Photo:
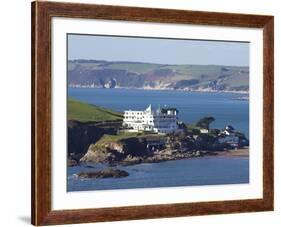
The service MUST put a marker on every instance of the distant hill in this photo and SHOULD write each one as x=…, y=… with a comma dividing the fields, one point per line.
x=84, y=112
x=114, y=74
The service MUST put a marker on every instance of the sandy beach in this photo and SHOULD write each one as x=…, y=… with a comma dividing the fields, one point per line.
x=243, y=152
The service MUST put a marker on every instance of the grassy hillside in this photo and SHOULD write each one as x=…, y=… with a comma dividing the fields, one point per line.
x=139, y=68
x=84, y=112
x=111, y=74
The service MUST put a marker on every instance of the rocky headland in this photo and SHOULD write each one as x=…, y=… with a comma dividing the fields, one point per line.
x=107, y=143
x=124, y=148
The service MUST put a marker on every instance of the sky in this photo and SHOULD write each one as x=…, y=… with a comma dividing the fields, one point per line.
x=155, y=50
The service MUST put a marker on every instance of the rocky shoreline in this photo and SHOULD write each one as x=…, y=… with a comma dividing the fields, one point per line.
x=112, y=172
x=104, y=143
x=161, y=156
x=169, y=156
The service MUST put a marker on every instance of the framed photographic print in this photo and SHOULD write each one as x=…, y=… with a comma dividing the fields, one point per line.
x=144, y=113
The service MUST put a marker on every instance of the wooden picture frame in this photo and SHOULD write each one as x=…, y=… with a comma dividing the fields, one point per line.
x=42, y=13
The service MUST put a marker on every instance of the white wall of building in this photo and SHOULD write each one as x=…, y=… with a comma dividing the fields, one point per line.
x=149, y=120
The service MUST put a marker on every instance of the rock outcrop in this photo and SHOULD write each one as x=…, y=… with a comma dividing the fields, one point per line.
x=135, y=150
x=115, y=151
x=71, y=162
x=106, y=173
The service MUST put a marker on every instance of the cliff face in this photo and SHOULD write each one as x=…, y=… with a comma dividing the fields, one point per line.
x=116, y=151
x=81, y=135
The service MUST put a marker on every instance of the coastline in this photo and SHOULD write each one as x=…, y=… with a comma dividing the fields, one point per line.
x=164, y=157
x=242, y=152
x=167, y=89
x=167, y=156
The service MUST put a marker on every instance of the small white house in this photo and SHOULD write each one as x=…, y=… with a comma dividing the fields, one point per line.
x=163, y=120
x=228, y=130
x=204, y=130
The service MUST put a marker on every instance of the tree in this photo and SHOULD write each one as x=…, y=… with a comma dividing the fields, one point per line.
x=205, y=122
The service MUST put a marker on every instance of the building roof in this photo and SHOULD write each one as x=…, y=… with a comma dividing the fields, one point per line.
x=166, y=109
x=149, y=108
x=229, y=128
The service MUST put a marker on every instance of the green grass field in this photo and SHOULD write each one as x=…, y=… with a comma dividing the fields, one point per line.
x=125, y=135
x=119, y=136
x=135, y=68
x=85, y=112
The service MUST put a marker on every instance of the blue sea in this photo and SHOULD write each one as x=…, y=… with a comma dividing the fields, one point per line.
x=224, y=107
x=185, y=172
x=192, y=106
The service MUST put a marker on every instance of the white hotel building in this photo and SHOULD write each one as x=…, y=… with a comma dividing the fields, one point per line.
x=163, y=120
